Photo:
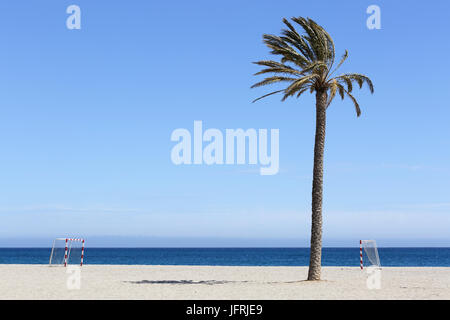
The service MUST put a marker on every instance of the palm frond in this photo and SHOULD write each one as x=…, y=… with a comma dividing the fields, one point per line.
x=347, y=81
x=326, y=40
x=333, y=90
x=298, y=85
x=294, y=38
x=280, y=47
x=344, y=57
x=282, y=70
x=358, y=78
x=271, y=80
x=311, y=37
x=300, y=92
x=266, y=95
x=269, y=63
x=343, y=92
x=358, y=110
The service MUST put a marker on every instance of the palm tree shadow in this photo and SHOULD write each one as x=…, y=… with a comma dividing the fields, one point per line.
x=298, y=281
x=207, y=282
x=213, y=282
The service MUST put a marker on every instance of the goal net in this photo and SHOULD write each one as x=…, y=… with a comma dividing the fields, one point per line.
x=67, y=251
x=368, y=253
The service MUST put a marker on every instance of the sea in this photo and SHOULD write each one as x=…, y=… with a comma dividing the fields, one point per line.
x=392, y=257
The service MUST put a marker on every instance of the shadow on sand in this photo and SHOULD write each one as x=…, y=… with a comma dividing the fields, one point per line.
x=207, y=282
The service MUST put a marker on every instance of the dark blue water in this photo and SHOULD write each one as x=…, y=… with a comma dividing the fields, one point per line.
x=411, y=257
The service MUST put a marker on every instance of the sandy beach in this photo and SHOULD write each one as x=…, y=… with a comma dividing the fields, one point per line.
x=218, y=282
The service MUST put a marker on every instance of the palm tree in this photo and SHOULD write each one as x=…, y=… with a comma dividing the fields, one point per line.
x=306, y=64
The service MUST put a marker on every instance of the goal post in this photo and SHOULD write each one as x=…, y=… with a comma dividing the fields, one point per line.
x=368, y=254
x=67, y=251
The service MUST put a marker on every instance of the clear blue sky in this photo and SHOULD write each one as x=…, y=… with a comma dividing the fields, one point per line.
x=86, y=117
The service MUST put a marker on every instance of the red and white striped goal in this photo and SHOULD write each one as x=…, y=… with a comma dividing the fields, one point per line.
x=67, y=251
x=368, y=254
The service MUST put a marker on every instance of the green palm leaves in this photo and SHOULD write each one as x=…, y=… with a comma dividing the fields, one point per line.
x=306, y=64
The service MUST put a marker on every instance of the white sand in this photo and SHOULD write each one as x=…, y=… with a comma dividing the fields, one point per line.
x=205, y=282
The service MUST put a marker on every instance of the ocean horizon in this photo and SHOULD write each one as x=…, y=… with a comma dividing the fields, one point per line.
x=389, y=256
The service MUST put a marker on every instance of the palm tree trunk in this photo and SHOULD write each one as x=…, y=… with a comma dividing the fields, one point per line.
x=315, y=259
